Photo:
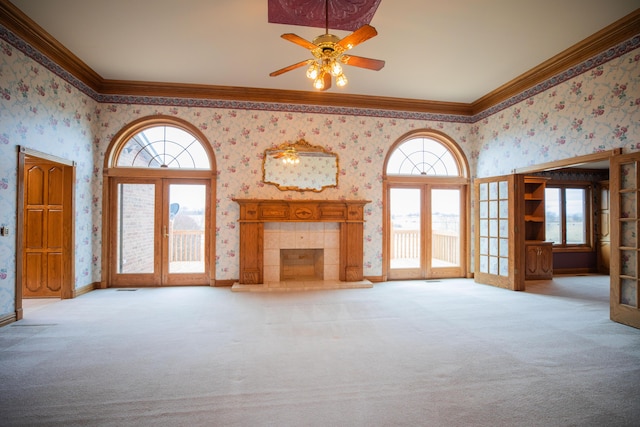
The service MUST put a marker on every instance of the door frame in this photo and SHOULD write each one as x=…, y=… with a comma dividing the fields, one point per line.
x=429, y=183
x=113, y=176
x=68, y=289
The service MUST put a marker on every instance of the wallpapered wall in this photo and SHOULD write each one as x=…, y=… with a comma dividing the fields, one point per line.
x=41, y=111
x=596, y=110
x=239, y=138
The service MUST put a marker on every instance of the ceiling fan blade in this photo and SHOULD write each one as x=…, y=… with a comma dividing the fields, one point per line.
x=293, y=38
x=290, y=67
x=358, y=36
x=359, y=61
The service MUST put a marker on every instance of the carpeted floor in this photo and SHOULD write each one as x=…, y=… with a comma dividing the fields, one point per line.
x=419, y=353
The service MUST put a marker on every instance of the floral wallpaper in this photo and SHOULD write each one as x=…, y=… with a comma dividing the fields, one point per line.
x=45, y=109
x=239, y=138
x=43, y=112
x=597, y=110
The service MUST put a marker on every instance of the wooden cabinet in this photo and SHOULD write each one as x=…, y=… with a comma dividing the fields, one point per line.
x=538, y=252
x=538, y=260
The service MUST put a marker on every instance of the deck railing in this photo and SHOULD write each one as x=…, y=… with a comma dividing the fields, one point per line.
x=186, y=245
x=405, y=244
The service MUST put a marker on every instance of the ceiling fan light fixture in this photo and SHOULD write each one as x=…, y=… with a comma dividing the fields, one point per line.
x=341, y=80
x=318, y=83
x=336, y=68
x=313, y=71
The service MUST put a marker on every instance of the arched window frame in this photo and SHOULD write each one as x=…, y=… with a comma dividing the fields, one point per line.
x=398, y=181
x=120, y=140
x=444, y=140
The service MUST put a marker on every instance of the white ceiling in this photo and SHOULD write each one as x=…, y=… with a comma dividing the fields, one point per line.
x=451, y=51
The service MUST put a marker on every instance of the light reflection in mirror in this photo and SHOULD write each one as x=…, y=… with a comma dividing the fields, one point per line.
x=315, y=170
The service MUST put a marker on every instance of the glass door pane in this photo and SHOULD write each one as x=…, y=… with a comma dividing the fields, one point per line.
x=406, y=234
x=553, y=216
x=186, y=229
x=135, y=224
x=445, y=228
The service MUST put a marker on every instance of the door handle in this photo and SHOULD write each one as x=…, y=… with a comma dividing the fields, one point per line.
x=164, y=231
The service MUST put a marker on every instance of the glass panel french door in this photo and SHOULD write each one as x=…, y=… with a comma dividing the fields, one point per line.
x=425, y=231
x=406, y=239
x=624, y=179
x=499, y=251
x=159, y=232
x=185, y=238
x=445, y=227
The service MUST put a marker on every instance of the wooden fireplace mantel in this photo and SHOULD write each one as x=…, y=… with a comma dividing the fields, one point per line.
x=270, y=210
x=255, y=212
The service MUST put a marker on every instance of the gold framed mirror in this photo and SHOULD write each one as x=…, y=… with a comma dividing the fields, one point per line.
x=300, y=167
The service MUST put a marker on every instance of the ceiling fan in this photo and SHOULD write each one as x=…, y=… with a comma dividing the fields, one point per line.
x=329, y=52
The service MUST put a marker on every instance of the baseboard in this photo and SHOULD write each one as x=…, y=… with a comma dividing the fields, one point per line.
x=222, y=283
x=9, y=318
x=85, y=289
x=573, y=271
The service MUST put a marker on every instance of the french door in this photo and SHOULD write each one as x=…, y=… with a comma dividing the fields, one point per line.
x=426, y=231
x=499, y=250
x=624, y=179
x=159, y=232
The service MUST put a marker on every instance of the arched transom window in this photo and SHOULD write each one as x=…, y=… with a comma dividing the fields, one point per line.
x=425, y=156
x=163, y=146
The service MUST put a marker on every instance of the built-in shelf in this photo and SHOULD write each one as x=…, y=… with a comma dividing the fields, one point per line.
x=538, y=252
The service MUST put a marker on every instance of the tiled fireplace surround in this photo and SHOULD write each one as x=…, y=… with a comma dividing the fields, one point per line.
x=301, y=235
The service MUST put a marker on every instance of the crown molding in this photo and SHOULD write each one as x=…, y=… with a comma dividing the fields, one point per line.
x=29, y=31
x=278, y=96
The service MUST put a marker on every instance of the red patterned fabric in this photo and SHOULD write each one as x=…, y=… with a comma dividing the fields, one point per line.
x=346, y=15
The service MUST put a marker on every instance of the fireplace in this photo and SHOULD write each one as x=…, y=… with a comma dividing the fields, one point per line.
x=301, y=264
x=267, y=226
x=301, y=242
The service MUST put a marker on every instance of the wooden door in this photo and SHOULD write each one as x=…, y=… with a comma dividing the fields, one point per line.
x=499, y=249
x=624, y=180
x=159, y=232
x=43, y=231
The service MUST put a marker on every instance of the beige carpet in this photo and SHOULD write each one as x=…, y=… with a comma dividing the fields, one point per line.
x=421, y=353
